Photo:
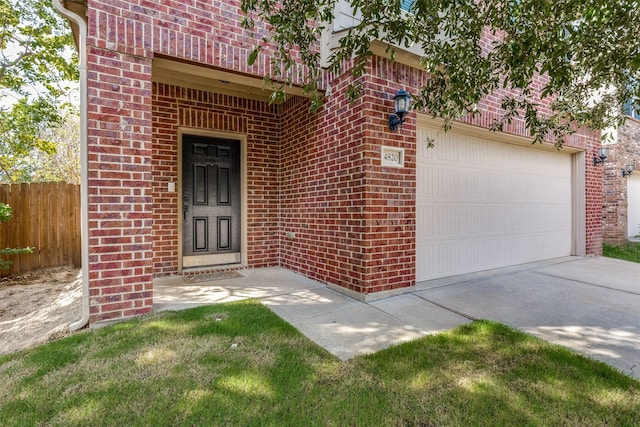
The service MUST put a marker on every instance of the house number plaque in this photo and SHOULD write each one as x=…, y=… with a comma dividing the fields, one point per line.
x=393, y=157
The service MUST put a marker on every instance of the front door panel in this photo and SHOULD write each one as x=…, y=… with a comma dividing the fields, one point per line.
x=210, y=201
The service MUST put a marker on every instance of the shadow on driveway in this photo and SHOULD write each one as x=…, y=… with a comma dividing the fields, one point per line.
x=591, y=305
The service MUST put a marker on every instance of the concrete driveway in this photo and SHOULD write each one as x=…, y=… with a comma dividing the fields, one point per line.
x=591, y=305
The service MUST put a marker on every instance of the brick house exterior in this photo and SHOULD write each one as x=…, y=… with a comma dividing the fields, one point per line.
x=621, y=219
x=317, y=199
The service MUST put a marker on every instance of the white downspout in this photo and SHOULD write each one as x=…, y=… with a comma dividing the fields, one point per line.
x=84, y=181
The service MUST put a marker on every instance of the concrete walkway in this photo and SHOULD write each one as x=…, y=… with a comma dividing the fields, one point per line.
x=591, y=305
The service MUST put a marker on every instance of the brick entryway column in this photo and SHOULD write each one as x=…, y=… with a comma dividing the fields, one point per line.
x=120, y=201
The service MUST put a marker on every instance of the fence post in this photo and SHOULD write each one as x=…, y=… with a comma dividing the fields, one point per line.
x=23, y=217
x=4, y=228
x=15, y=226
x=35, y=216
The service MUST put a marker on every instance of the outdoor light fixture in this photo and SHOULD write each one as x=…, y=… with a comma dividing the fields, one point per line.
x=628, y=170
x=603, y=152
x=402, y=101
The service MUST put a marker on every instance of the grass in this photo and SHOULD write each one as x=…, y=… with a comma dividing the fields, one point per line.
x=240, y=364
x=629, y=251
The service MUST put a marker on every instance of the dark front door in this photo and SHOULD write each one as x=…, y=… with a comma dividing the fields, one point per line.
x=211, y=208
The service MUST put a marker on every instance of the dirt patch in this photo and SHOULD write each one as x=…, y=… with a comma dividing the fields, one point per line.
x=38, y=306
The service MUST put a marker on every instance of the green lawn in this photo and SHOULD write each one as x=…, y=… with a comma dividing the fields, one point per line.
x=239, y=364
x=630, y=251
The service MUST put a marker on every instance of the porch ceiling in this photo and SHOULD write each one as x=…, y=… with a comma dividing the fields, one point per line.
x=195, y=76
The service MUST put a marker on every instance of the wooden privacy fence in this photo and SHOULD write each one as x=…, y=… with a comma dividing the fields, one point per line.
x=46, y=217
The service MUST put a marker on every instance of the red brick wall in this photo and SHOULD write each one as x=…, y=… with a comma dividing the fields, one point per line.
x=390, y=192
x=322, y=191
x=625, y=151
x=175, y=107
x=120, y=203
x=353, y=220
x=593, y=199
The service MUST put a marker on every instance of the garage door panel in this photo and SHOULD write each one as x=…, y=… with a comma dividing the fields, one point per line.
x=482, y=204
x=472, y=221
x=451, y=258
x=440, y=183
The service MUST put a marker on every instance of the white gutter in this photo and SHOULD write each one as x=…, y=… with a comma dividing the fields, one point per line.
x=84, y=181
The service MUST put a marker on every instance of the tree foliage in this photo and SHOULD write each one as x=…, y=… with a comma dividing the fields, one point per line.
x=21, y=126
x=64, y=163
x=36, y=62
x=5, y=215
x=586, y=50
x=34, y=43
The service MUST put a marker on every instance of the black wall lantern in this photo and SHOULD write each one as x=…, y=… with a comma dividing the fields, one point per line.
x=603, y=152
x=402, y=102
x=628, y=170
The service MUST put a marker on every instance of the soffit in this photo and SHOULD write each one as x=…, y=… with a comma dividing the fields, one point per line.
x=79, y=7
x=195, y=76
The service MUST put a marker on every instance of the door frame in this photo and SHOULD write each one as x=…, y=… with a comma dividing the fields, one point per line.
x=242, y=140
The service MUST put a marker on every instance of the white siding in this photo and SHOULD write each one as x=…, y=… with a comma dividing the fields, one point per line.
x=633, y=210
x=484, y=204
x=344, y=18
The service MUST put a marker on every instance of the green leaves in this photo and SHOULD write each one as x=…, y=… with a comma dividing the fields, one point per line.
x=253, y=56
x=22, y=127
x=35, y=46
x=36, y=64
x=581, y=57
x=297, y=31
x=5, y=212
x=5, y=215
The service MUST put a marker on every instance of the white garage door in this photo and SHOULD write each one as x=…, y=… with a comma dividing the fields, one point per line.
x=483, y=204
x=633, y=199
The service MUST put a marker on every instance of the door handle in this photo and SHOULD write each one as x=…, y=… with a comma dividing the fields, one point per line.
x=184, y=212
